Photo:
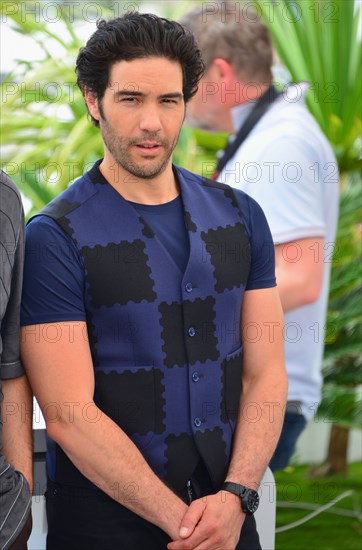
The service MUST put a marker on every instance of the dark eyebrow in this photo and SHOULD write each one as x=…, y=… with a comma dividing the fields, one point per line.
x=121, y=93
x=175, y=95
x=135, y=93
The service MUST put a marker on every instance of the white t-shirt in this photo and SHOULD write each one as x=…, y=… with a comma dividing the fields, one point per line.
x=287, y=165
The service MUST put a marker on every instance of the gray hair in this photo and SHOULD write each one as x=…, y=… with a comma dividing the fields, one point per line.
x=235, y=32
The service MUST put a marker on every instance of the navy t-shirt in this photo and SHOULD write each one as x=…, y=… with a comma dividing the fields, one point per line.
x=54, y=279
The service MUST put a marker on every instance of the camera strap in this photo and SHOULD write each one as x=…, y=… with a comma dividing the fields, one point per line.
x=260, y=108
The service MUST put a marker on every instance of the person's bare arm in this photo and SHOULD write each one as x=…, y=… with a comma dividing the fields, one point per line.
x=299, y=271
x=62, y=373
x=216, y=521
x=17, y=408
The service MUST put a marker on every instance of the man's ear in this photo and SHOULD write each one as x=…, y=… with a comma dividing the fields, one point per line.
x=236, y=89
x=224, y=70
x=92, y=103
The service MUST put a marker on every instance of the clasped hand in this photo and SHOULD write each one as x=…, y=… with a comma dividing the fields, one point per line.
x=211, y=523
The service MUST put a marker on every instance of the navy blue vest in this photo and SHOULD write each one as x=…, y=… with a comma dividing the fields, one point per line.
x=165, y=345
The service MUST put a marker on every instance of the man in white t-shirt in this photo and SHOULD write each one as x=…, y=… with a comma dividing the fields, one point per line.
x=284, y=162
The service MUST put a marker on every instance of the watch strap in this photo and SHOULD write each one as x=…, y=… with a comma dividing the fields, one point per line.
x=241, y=491
x=234, y=488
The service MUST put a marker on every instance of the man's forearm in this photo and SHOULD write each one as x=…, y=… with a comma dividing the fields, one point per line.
x=258, y=429
x=17, y=417
x=294, y=291
x=299, y=271
x=108, y=458
x=217, y=519
x=62, y=373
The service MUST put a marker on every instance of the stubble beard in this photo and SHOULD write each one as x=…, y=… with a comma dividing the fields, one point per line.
x=119, y=148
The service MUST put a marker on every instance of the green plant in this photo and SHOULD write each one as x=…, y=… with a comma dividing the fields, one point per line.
x=47, y=139
x=343, y=355
x=318, y=41
x=336, y=528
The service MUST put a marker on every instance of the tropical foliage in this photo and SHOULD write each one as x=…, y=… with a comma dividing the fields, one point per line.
x=318, y=41
x=47, y=139
x=342, y=402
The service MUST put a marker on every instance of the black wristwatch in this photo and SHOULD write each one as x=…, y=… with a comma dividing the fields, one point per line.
x=248, y=497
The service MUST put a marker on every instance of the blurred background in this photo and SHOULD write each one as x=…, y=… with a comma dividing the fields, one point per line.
x=47, y=141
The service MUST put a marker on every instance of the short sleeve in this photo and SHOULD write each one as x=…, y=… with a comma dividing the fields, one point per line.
x=262, y=269
x=286, y=186
x=53, y=285
x=11, y=277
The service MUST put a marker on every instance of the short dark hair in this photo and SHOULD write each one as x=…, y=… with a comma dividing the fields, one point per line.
x=136, y=36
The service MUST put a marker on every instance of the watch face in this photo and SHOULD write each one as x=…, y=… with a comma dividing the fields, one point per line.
x=252, y=501
x=249, y=497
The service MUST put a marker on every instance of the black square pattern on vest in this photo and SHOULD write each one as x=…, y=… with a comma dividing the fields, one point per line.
x=147, y=231
x=118, y=273
x=92, y=338
x=231, y=387
x=64, y=223
x=196, y=320
x=213, y=450
x=229, y=250
x=179, y=471
x=171, y=324
x=59, y=209
x=229, y=193
x=134, y=400
x=189, y=223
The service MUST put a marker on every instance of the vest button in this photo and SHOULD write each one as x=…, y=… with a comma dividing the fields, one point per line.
x=189, y=287
x=197, y=422
x=195, y=376
x=191, y=331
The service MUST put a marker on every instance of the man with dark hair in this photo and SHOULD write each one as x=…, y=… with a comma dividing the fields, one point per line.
x=151, y=278
x=15, y=395
x=281, y=158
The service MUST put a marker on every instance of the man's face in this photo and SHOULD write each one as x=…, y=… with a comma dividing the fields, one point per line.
x=202, y=109
x=218, y=92
x=141, y=114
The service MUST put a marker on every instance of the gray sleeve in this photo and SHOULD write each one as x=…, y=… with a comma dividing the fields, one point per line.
x=11, y=277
